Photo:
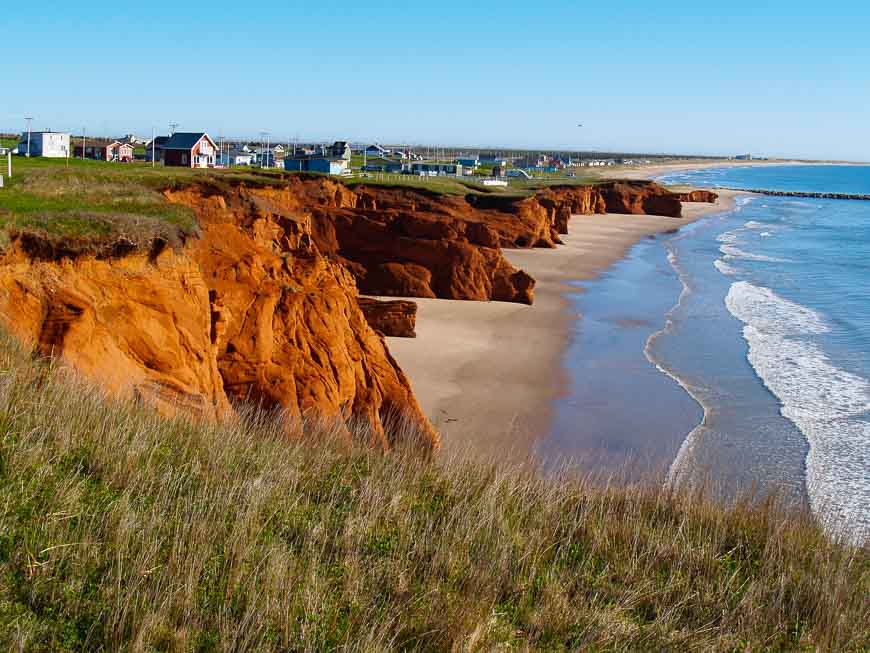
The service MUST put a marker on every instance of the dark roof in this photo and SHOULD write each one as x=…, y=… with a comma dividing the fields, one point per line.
x=183, y=140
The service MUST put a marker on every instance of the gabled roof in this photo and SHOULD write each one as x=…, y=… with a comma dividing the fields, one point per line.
x=184, y=140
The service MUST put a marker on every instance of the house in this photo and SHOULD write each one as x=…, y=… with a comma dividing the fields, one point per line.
x=435, y=169
x=103, y=150
x=377, y=151
x=154, y=149
x=340, y=150
x=133, y=140
x=238, y=157
x=269, y=157
x=48, y=144
x=317, y=163
x=471, y=162
x=189, y=150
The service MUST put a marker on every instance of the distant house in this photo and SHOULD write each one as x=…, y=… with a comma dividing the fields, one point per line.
x=377, y=150
x=189, y=150
x=434, y=169
x=329, y=165
x=468, y=162
x=238, y=157
x=271, y=157
x=48, y=144
x=103, y=150
x=154, y=149
x=133, y=140
x=340, y=150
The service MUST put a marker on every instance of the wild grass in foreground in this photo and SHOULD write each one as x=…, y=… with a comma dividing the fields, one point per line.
x=123, y=531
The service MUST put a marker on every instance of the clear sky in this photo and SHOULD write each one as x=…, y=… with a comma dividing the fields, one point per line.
x=776, y=78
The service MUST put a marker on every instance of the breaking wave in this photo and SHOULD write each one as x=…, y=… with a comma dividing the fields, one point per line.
x=829, y=405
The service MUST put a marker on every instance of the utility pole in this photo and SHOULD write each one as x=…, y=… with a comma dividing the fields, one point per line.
x=264, y=135
x=153, y=138
x=84, y=141
x=9, y=162
x=172, y=127
x=29, y=119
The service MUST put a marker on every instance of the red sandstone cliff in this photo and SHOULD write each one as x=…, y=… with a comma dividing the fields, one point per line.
x=263, y=307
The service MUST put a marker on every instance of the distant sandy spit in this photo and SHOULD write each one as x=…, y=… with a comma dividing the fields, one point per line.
x=487, y=373
x=657, y=170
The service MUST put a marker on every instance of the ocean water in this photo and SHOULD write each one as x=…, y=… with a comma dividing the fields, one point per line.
x=767, y=334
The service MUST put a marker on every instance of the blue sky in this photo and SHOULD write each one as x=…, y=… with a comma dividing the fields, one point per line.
x=776, y=78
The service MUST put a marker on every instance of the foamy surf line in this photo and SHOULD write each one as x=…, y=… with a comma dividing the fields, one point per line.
x=828, y=405
x=678, y=465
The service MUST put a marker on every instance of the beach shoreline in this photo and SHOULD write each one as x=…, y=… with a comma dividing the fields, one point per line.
x=487, y=373
x=658, y=170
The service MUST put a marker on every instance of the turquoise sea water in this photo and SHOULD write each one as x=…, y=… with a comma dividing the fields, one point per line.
x=767, y=334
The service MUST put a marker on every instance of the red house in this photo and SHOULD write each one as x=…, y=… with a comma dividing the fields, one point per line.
x=189, y=150
x=104, y=151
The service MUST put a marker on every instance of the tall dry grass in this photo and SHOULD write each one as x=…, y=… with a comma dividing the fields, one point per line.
x=123, y=531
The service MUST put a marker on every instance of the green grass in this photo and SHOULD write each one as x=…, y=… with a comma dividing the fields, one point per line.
x=122, y=531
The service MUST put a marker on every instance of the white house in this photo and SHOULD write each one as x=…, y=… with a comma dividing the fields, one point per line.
x=48, y=144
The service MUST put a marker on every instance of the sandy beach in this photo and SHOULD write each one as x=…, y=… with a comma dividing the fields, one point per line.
x=486, y=372
x=656, y=170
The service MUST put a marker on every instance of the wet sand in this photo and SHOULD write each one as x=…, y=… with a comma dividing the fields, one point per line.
x=486, y=372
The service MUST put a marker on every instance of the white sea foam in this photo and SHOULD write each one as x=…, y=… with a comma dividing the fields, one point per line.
x=725, y=268
x=727, y=237
x=755, y=224
x=731, y=251
x=765, y=234
x=768, y=312
x=826, y=403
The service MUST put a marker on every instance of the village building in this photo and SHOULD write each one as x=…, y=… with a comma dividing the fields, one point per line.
x=46, y=143
x=429, y=169
x=189, y=150
x=103, y=150
x=377, y=151
x=470, y=162
x=332, y=160
x=340, y=150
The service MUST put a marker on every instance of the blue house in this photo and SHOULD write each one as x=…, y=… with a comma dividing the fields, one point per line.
x=469, y=162
x=322, y=164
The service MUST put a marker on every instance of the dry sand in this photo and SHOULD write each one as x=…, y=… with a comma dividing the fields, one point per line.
x=486, y=373
x=656, y=170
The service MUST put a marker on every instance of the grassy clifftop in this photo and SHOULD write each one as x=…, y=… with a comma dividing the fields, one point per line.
x=123, y=531
x=92, y=202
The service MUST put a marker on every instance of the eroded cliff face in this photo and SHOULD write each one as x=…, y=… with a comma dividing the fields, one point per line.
x=139, y=325
x=263, y=307
x=411, y=243
x=250, y=313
